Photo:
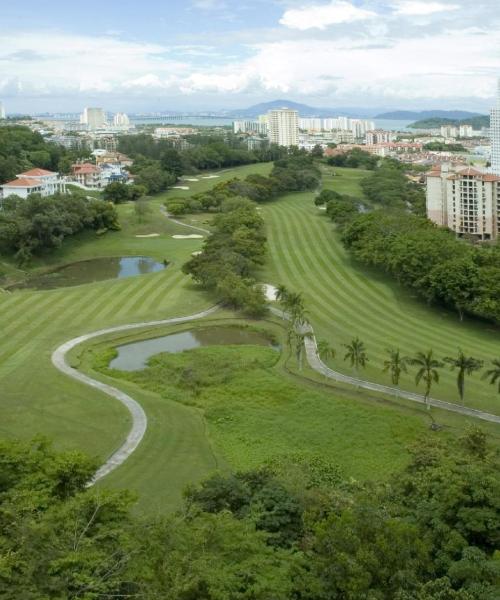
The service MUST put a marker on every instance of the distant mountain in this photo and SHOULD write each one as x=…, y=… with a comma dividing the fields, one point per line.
x=409, y=115
x=303, y=109
x=435, y=123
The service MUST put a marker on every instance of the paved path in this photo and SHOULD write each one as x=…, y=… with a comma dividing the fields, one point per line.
x=139, y=418
x=165, y=213
x=319, y=366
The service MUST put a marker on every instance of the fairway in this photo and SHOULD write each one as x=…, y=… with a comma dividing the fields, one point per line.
x=345, y=300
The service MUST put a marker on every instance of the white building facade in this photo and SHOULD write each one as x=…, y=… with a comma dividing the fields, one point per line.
x=2, y=111
x=495, y=135
x=284, y=127
x=93, y=118
x=466, y=201
x=34, y=181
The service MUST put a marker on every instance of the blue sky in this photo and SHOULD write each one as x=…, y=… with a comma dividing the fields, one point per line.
x=214, y=54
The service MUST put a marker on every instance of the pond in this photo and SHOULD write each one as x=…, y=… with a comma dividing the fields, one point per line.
x=89, y=271
x=134, y=356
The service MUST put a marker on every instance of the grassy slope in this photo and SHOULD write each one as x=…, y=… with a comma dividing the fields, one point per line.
x=346, y=300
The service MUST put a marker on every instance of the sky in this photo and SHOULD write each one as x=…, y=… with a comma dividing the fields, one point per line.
x=187, y=55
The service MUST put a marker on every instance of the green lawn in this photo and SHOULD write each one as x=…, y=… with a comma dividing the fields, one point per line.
x=345, y=300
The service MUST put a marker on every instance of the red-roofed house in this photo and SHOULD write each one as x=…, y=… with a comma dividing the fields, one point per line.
x=86, y=174
x=34, y=181
x=466, y=201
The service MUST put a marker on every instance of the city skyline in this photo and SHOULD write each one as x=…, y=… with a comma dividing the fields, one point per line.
x=219, y=54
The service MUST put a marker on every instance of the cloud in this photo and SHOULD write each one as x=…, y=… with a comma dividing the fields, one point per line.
x=422, y=8
x=210, y=4
x=321, y=16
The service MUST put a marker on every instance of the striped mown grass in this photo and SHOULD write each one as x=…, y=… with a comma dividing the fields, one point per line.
x=345, y=300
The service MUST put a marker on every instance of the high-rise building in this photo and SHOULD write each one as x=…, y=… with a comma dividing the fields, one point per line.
x=121, y=120
x=249, y=127
x=94, y=118
x=495, y=135
x=2, y=111
x=284, y=127
x=467, y=201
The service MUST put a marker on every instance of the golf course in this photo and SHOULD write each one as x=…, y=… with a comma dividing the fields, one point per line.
x=263, y=408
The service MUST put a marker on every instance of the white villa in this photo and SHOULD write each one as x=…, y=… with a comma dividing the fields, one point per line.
x=34, y=181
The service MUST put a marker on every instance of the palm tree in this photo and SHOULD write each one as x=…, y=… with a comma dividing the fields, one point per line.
x=466, y=365
x=395, y=365
x=325, y=351
x=299, y=337
x=494, y=374
x=428, y=371
x=282, y=293
x=356, y=354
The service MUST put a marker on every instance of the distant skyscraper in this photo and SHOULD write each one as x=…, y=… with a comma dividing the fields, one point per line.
x=121, y=120
x=495, y=135
x=2, y=111
x=94, y=118
x=284, y=127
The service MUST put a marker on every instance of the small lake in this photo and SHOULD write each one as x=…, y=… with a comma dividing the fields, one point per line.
x=134, y=356
x=89, y=271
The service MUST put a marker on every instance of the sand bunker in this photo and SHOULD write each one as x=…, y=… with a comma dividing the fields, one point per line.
x=321, y=207
x=193, y=236
x=196, y=253
x=180, y=187
x=210, y=176
x=148, y=235
x=190, y=179
x=270, y=291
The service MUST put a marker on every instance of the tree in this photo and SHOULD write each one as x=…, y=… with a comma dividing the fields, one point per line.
x=494, y=374
x=356, y=354
x=298, y=339
x=325, y=351
x=142, y=209
x=428, y=371
x=116, y=192
x=465, y=365
x=395, y=365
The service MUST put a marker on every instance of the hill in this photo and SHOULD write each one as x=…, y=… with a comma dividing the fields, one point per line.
x=427, y=114
x=304, y=110
x=477, y=122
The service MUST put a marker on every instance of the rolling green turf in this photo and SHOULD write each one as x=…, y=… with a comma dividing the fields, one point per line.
x=345, y=300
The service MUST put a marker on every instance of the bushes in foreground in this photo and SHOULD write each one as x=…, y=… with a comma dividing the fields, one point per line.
x=285, y=531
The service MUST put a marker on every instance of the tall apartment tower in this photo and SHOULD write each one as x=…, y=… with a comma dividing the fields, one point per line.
x=284, y=127
x=94, y=118
x=2, y=111
x=495, y=135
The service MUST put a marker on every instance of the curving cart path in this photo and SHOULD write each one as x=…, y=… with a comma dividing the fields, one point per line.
x=139, y=418
x=319, y=366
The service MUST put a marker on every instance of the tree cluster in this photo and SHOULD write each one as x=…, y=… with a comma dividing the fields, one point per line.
x=354, y=159
x=236, y=246
x=293, y=529
x=429, y=260
x=37, y=224
x=294, y=173
x=22, y=149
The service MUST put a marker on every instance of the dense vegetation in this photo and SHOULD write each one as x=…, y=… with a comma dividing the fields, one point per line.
x=354, y=159
x=295, y=173
x=38, y=224
x=444, y=147
x=21, y=150
x=292, y=529
x=236, y=246
x=157, y=163
x=436, y=122
x=429, y=260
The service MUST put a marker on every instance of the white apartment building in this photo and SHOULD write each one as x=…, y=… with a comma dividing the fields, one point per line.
x=244, y=126
x=2, y=111
x=495, y=135
x=284, y=127
x=310, y=124
x=121, y=120
x=34, y=181
x=93, y=118
x=465, y=131
x=467, y=201
x=379, y=136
